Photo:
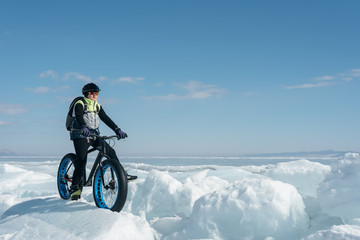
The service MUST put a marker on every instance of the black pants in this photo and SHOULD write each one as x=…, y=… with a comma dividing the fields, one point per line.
x=81, y=146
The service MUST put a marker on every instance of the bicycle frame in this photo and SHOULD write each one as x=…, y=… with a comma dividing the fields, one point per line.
x=101, y=154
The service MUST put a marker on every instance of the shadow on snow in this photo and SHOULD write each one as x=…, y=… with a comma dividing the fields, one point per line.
x=45, y=205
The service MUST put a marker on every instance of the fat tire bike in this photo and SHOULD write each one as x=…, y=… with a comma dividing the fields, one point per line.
x=107, y=177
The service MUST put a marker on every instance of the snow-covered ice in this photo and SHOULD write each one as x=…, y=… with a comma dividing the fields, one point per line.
x=273, y=199
x=339, y=193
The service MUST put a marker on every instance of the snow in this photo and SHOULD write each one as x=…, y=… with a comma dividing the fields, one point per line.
x=303, y=174
x=264, y=199
x=339, y=193
x=252, y=209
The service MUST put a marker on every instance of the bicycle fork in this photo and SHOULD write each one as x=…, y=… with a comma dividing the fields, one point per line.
x=111, y=183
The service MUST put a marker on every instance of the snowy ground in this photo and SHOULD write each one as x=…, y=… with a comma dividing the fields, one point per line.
x=190, y=198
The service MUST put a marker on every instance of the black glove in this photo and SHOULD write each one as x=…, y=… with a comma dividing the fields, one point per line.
x=120, y=133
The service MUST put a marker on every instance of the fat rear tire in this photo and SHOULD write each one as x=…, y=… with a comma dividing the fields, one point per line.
x=66, y=168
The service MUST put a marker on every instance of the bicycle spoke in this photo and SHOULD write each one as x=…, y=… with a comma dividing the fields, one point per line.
x=110, y=192
x=106, y=187
x=65, y=172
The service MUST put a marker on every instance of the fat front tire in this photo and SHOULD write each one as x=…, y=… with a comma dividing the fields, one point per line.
x=110, y=185
x=65, y=175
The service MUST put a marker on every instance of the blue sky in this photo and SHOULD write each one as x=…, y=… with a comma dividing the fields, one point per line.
x=184, y=77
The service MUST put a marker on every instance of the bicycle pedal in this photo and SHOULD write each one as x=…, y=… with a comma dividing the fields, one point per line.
x=131, y=177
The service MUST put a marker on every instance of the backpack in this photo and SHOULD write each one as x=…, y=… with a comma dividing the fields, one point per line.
x=69, y=117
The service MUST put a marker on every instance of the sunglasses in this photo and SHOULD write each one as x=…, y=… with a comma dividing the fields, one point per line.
x=94, y=93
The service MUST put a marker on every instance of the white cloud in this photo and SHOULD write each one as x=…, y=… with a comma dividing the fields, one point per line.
x=11, y=109
x=325, y=78
x=195, y=86
x=71, y=75
x=49, y=73
x=38, y=90
x=349, y=76
x=77, y=76
x=130, y=79
x=101, y=79
x=311, y=85
x=195, y=90
x=328, y=80
x=355, y=72
x=2, y=123
x=198, y=90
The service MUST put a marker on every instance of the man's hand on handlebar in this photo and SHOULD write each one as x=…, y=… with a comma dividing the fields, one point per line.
x=120, y=134
x=85, y=131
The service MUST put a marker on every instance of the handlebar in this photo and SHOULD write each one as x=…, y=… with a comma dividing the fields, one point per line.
x=94, y=136
x=101, y=147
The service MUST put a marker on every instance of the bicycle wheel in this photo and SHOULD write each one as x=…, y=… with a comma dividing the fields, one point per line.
x=110, y=186
x=65, y=175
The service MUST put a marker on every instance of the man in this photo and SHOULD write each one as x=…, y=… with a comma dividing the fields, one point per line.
x=88, y=113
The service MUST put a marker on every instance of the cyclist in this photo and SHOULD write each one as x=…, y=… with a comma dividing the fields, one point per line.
x=88, y=113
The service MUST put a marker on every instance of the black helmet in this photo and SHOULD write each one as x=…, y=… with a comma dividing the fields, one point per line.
x=90, y=87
